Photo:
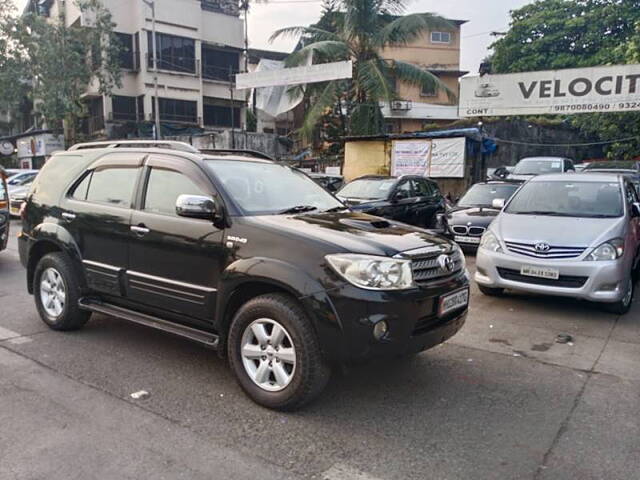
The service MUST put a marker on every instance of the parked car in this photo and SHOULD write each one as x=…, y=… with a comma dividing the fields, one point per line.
x=331, y=183
x=4, y=211
x=410, y=199
x=17, y=196
x=23, y=177
x=529, y=167
x=575, y=236
x=469, y=218
x=631, y=168
x=244, y=255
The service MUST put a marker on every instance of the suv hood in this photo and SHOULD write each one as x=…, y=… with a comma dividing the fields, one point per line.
x=351, y=232
x=560, y=231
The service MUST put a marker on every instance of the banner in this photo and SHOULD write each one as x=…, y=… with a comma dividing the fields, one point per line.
x=410, y=157
x=575, y=90
x=321, y=72
x=447, y=158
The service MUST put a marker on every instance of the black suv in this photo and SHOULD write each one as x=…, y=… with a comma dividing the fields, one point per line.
x=410, y=199
x=244, y=255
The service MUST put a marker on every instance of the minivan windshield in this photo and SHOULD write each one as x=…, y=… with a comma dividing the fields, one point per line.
x=367, y=188
x=269, y=188
x=483, y=195
x=568, y=199
x=538, y=166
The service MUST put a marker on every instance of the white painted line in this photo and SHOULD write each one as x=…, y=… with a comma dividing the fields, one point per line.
x=20, y=340
x=345, y=472
x=6, y=334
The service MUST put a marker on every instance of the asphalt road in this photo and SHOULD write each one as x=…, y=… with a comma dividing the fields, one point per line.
x=501, y=400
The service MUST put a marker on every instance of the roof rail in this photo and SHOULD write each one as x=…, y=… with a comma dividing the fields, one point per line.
x=232, y=151
x=168, y=144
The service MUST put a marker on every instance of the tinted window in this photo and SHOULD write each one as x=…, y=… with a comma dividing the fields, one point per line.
x=568, y=199
x=632, y=196
x=483, y=195
x=368, y=188
x=423, y=188
x=538, y=166
x=80, y=192
x=113, y=186
x=164, y=188
x=404, y=190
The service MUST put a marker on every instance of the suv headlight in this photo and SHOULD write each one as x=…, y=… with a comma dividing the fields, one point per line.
x=372, y=272
x=611, y=250
x=490, y=242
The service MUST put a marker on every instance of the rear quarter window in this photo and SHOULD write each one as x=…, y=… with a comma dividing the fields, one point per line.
x=55, y=176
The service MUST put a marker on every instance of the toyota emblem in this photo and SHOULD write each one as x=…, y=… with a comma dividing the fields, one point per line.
x=445, y=262
x=542, y=247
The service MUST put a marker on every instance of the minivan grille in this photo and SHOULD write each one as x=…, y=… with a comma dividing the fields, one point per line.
x=429, y=268
x=554, y=251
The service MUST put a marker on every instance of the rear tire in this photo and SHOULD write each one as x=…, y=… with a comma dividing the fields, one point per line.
x=623, y=305
x=492, y=292
x=56, y=290
x=286, y=378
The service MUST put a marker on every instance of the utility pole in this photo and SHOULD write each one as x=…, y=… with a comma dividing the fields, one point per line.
x=152, y=4
x=233, y=123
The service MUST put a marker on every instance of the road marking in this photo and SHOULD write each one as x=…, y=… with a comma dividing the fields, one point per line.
x=19, y=340
x=344, y=472
x=6, y=334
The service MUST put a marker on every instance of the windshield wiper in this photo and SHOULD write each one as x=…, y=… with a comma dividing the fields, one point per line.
x=298, y=209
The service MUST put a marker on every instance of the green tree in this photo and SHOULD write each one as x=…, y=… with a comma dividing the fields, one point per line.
x=555, y=34
x=59, y=62
x=359, y=30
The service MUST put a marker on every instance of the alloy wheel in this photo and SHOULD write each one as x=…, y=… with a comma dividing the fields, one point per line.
x=53, y=292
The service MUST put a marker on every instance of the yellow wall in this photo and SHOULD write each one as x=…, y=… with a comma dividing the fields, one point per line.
x=366, y=158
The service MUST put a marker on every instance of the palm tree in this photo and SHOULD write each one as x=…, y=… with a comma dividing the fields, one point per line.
x=359, y=31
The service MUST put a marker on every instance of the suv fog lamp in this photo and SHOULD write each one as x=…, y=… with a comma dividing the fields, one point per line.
x=373, y=272
x=380, y=329
x=611, y=250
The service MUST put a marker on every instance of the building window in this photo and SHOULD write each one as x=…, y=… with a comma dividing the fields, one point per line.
x=429, y=91
x=177, y=54
x=125, y=42
x=211, y=5
x=124, y=108
x=219, y=64
x=220, y=115
x=440, y=37
x=173, y=110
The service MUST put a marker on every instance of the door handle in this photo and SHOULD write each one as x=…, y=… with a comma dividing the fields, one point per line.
x=68, y=216
x=139, y=230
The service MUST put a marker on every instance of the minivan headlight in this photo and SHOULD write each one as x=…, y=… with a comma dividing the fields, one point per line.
x=611, y=250
x=490, y=242
x=372, y=272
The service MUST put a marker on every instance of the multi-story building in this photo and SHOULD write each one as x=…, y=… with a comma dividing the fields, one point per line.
x=200, y=46
x=439, y=52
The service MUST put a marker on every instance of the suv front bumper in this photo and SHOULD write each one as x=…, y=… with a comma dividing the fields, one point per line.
x=594, y=281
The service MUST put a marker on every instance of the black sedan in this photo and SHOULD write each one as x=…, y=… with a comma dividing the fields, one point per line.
x=410, y=199
x=469, y=218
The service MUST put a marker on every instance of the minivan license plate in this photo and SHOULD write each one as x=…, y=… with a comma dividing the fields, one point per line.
x=453, y=301
x=540, y=272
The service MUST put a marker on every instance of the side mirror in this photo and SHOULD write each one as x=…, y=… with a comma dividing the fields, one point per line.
x=635, y=209
x=196, y=206
x=498, y=203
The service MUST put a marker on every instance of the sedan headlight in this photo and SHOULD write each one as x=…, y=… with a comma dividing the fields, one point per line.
x=371, y=272
x=490, y=242
x=611, y=250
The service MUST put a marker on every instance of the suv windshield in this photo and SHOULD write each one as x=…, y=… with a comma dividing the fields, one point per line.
x=269, y=188
x=483, y=195
x=368, y=188
x=538, y=166
x=568, y=199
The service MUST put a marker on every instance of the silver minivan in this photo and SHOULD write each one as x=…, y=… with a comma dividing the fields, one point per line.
x=568, y=235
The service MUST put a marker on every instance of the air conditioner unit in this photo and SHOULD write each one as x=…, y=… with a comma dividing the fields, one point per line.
x=401, y=105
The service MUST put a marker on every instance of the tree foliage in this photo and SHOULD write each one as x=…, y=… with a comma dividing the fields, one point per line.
x=555, y=34
x=359, y=30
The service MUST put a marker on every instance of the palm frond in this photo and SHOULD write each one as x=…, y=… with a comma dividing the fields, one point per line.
x=316, y=33
x=325, y=100
x=424, y=79
x=406, y=29
x=327, y=50
x=375, y=78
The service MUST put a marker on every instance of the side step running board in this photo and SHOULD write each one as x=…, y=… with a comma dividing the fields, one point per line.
x=208, y=339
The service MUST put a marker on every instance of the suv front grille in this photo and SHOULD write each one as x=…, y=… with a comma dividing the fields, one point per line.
x=529, y=250
x=566, y=281
x=429, y=268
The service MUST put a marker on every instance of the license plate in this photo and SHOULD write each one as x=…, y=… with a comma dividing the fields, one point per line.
x=463, y=239
x=453, y=301
x=540, y=272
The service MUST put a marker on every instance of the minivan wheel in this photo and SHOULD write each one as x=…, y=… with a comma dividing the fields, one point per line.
x=492, y=292
x=56, y=291
x=623, y=305
x=274, y=353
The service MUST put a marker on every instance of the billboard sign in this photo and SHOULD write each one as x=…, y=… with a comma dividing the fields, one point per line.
x=321, y=72
x=575, y=90
x=447, y=158
x=410, y=157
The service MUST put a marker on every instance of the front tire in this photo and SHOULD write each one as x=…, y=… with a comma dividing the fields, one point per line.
x=623, y=305
x=274, y=353
x=56, y=290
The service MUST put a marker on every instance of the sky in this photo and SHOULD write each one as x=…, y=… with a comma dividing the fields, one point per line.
x=483, y=17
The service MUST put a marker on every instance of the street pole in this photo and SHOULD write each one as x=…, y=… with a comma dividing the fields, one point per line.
x=152, y=5
x=233, y=123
